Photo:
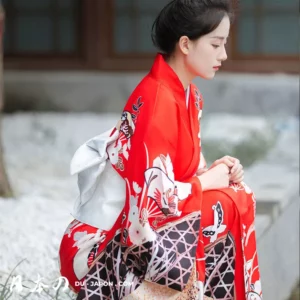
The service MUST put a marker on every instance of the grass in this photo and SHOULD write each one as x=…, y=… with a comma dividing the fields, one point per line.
x=27, y=285
x=296, y=293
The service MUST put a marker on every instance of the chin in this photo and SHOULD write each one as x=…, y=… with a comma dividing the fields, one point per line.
x=208, y=76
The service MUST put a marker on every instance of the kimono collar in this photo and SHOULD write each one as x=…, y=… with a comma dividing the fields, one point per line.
x=165, y=74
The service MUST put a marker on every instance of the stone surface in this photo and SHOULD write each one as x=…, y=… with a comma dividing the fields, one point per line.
x=278, y=251
x=262, y=223
x=276, y=178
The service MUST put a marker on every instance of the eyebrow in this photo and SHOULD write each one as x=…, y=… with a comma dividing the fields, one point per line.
x=220, y=37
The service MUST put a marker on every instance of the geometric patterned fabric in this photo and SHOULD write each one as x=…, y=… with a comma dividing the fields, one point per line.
x=219, y=268
x=168, y=261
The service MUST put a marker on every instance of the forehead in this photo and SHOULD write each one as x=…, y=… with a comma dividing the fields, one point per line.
x=223, y=29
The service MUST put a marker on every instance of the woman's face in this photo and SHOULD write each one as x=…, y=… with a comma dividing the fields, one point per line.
x=207, y=53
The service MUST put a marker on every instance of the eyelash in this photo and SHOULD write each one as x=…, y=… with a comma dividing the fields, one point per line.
x=216, y=46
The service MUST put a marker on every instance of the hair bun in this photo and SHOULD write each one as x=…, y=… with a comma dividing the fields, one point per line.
x=192, y=18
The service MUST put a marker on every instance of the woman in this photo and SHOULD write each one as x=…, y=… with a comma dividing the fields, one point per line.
x=182, y=231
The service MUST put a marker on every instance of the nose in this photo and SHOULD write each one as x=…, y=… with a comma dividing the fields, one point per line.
x=223, y=54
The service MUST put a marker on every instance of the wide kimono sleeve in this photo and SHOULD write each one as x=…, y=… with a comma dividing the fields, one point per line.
x=161, y=220
x=154, y=192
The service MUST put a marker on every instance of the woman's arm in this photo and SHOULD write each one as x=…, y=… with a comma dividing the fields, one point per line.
x=202, y=166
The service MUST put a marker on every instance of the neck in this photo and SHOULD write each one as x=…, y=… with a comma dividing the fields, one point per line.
x=179, y=68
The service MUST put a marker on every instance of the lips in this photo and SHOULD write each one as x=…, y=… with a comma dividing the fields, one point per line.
x=217, y=67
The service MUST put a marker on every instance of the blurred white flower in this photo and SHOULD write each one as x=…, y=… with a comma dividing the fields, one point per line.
x=136, y=187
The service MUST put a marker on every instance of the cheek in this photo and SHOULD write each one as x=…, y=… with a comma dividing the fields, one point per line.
x=200, y=61
x=206, y=53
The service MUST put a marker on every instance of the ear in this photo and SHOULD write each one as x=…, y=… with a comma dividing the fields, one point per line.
x=184, y=44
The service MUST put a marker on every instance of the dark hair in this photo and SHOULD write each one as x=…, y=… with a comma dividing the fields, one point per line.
x=191, y=18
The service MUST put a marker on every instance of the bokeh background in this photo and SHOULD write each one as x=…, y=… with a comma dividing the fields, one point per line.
x=68, y=69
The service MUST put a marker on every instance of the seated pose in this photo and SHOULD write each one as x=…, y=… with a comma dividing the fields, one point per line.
x=152, y=221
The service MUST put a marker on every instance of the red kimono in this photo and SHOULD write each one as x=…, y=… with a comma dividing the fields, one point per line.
x=170, y=240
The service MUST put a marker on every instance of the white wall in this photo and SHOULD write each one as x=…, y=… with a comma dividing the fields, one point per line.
x=107, y=92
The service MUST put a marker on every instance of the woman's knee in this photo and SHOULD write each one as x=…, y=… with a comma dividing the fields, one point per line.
x=218, y=209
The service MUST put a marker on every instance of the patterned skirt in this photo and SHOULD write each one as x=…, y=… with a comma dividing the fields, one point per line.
x=227, y=236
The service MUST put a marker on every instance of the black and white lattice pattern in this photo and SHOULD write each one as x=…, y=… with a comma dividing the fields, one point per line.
x=103, y=280
x=167, y=261
x=175, y=253
x=219, y=269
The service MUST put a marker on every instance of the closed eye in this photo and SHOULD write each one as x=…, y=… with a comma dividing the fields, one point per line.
x=216, y=46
